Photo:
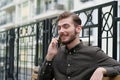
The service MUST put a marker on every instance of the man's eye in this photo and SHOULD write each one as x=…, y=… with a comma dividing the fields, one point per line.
x=66, y=26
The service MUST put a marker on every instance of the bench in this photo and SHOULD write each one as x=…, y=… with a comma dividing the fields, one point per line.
x=34, y=76
x=109, y=78
x=35, y=73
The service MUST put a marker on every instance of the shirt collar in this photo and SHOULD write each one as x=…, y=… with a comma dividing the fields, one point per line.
x=75, y=48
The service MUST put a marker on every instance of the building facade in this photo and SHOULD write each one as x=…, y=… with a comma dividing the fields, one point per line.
x=18, y=12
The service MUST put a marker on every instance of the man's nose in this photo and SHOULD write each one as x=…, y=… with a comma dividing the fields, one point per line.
x=61, y=30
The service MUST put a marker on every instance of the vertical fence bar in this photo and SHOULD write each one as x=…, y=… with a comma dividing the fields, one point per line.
x=115, y=30
x=17, y=70
x=6, y=57
x=44, y=39
x=11, y=53
x=37, y=39
x=99, y=27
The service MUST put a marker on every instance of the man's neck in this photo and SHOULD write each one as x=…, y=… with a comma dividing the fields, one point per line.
x=73, y=43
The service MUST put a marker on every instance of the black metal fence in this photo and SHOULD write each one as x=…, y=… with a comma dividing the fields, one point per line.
x=24, y=48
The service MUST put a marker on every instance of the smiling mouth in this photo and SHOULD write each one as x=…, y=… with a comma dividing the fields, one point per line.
x=63, y=37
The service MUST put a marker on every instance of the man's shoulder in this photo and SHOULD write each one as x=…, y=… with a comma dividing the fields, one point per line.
x=90, y=48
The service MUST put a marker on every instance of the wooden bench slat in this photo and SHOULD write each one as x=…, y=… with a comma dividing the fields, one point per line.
x=34, y=76
x=109, y=78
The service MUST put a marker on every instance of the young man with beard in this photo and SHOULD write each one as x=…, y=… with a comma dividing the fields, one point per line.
x=73, y=60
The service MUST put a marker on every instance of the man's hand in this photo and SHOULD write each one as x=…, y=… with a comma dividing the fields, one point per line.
x=98, y=74
x=52, y=49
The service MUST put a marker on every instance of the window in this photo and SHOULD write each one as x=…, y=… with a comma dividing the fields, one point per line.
x=39, y=6
x=70, y=4
x=48, y=4
x=25, y=10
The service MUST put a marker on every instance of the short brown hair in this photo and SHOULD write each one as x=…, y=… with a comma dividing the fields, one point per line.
x=67, y=14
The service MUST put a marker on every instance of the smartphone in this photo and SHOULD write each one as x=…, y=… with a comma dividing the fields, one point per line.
x=59, y=42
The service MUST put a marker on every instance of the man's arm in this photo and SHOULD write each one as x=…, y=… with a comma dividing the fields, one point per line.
x=112, y=66
x=106, y=66
x=46, y=71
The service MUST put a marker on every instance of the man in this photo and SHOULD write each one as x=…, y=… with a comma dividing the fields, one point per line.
x=73, y=60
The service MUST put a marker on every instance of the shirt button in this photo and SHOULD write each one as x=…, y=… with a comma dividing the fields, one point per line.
x=68, y=65
x=73, y=50
x=43, y=72
x=49, y=64
x=69, y=77
x=70, y=53
x=46, y=63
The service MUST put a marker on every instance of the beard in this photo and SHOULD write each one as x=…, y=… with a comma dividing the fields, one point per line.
x=72, y=38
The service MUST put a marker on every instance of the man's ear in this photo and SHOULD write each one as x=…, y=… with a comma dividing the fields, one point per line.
x=78, y=28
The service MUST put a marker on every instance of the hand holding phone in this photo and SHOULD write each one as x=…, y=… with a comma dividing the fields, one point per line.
x=52, y=49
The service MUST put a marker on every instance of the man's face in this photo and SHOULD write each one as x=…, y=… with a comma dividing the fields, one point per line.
x=67, y=30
